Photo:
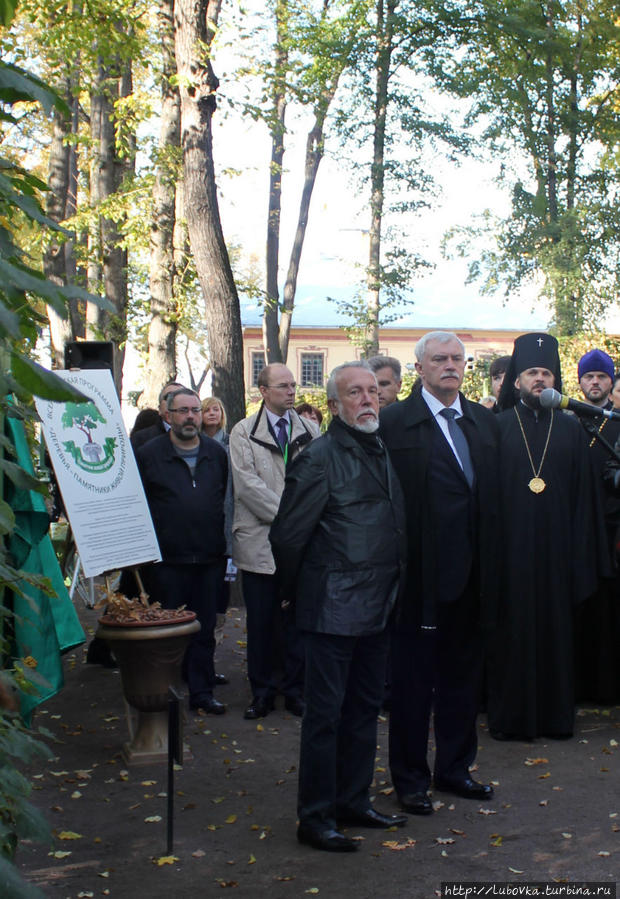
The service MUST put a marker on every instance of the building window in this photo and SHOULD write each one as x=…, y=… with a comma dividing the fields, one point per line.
x=258, y=364
x=312, y=369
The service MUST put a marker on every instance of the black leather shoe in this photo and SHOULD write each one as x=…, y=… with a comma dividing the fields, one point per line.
x=370, y=818
x=465, y=788
x=209, y=705
x=418, y=803
x=221, y=679
x=295, y=705
x=259, y=708
x=329, y=840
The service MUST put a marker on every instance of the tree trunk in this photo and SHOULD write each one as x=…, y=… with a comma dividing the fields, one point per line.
x=161, y=366
x=107, y=268
x=272, y=261
x=385, y=26
x=314, y=155
x=54, y=261
x=195, y=23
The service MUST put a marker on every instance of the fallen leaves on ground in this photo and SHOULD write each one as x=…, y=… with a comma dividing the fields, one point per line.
x=69, y=835
x=540, y=761
x=444, y=840
x=165, y=860
x=395, y=846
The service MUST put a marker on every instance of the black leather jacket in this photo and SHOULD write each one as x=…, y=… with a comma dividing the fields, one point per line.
x=339, y=536
x=187, y=512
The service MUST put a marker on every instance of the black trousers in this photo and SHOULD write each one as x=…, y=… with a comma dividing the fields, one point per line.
x=265, y=621
x=343, y=694
x=437, y=671
x=198, y=587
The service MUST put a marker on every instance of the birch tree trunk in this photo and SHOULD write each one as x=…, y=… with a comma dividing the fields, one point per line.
x=385, y=11
x=272, y=260
x=162, y=365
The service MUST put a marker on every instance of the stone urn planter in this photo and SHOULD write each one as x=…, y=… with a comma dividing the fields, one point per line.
x=149, y=643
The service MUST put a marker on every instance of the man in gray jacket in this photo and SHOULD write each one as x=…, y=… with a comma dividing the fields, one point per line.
x=261, y=448
x=339, y=545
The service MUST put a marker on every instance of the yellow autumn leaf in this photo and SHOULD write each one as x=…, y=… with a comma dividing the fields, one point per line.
x=252, y=860
x=166, y=860
x=59, y=854
x=395, y=846
x=231, y=819
x=69, y=835
x=496, y=842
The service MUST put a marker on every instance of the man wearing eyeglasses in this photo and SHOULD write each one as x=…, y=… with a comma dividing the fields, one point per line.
x=185, y=478
x=261, y=448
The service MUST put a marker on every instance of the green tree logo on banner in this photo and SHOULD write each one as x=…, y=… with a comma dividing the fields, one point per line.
x=91, y=456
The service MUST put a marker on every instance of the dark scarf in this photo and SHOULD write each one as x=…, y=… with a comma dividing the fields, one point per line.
x=370, y=443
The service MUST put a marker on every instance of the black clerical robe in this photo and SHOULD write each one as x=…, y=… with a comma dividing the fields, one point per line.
x=550, y=565
x=597, y=632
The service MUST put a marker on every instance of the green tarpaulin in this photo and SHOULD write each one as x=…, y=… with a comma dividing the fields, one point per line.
x=44, y=627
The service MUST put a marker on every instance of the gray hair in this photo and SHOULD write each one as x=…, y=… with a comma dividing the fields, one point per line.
x=441, y=337
x=331, y=386
x=182, y=391
x=176, y=384
x=377, y=362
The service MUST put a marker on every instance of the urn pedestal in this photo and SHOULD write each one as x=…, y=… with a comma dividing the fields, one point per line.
x=150, y=658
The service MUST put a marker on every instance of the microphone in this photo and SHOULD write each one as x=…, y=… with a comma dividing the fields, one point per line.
x=552, y=399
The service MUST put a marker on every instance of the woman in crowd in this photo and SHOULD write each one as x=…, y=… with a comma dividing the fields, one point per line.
x=214, y=419
x=306, y=410
x=214, y=426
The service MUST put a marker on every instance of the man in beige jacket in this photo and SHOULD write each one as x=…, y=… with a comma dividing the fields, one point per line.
x=261, y=447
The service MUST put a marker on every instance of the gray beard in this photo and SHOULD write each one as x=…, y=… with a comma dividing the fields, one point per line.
x=368, y=427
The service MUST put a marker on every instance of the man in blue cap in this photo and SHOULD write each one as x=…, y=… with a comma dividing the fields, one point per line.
x=595, y=371
x=597, y=636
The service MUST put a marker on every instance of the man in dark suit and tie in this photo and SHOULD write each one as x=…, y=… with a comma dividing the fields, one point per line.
x=445, y=452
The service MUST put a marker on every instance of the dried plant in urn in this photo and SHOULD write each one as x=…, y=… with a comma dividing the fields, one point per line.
x=149, y=643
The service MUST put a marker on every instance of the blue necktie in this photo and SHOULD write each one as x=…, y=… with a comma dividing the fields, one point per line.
x=281, y=432
x=460, y=443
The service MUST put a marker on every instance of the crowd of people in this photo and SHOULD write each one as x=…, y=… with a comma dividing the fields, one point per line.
x=427, y=555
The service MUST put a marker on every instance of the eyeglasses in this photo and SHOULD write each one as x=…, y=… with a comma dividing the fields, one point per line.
x=290, y=384
x=185, y=410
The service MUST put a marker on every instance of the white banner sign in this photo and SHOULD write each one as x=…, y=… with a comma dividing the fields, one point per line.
x=98, y=476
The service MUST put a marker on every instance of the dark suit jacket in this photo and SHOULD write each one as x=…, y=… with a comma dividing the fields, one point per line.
x=146, y=434
x=409, y=432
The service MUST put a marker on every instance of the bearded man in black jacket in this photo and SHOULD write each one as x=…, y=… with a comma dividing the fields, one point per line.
x=185, y=478
x=338, y=543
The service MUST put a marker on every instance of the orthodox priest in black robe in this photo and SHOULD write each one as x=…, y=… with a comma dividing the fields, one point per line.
x=550, y=554
x=597, y=632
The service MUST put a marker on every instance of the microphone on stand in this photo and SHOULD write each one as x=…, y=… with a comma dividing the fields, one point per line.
x=553, y=399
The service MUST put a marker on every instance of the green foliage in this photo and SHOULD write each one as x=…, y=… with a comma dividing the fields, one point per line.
x=22, y=287
x=544, y=82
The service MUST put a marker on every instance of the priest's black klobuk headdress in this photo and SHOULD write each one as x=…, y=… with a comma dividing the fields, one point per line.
x=530, y=351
